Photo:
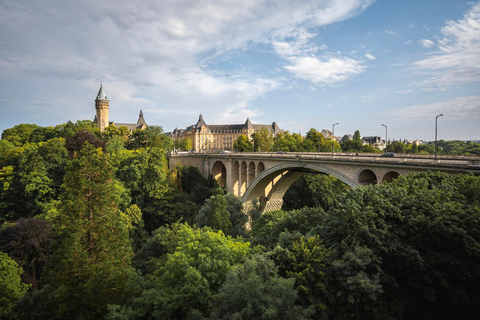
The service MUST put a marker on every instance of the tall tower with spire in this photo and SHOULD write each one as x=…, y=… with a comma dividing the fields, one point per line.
x=102, y=105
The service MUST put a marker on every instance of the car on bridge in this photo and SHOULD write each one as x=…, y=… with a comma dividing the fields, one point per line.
x=389, y=155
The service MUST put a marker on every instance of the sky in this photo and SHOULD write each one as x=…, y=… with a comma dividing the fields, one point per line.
x=303, y=64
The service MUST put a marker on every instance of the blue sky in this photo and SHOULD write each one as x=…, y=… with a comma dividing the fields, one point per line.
x=303, y=64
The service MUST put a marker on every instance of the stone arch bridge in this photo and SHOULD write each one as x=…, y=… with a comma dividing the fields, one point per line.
x=267, y=176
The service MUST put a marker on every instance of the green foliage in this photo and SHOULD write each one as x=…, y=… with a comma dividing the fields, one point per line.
x=91, y=267
x=397, y=147
x=268, y=228
x=184, y=281
x=356, y=135
x=352, y=145
x=114, y=131
x=152, y=137
x=30, y=243
x=7, y=148
x=262, y=140
x=285, y=141
x=315, y=137
x=454, y=147
x=313, y=190
x=399, y=250
x=184, y=144
x=32, y=183
x=237, y=217
x=403, y=247
x=20, y=134
x=69, y=129
x=242, y=144
x=308, y=258
x=77, y=141
x=144, y=175
x=223, y=212
x=11, y=287
x=255, y=291
x=214, y=214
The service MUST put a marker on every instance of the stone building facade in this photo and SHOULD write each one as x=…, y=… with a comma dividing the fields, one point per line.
x=102, y=106
x=208, y=138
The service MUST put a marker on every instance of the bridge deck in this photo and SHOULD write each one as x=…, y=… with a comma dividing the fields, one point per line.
x=470, y=163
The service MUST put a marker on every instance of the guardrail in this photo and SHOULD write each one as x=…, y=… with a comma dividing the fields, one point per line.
x=415, y=160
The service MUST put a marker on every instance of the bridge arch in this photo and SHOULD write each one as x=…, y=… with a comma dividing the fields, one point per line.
x=271, y=184
x=366, y=177
x=219, y=172
x=390, y=176
x=260, y=167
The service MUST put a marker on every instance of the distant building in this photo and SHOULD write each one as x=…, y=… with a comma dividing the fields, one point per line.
x=102, y=106
x=375, y=141
x=219, y=137
x=346, y=137
x=326, y=133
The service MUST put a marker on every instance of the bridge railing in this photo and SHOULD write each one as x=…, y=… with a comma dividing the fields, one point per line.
x=411, y=159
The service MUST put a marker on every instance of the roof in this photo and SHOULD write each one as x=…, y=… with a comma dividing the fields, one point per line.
x=226, y=128
x=101, y=94
x=200, y=122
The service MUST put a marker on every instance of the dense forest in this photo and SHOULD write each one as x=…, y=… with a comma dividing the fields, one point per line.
x=95, y=226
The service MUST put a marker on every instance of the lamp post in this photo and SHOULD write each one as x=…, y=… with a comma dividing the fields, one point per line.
x=386, y=137
x=436, y=118
x=333, y=135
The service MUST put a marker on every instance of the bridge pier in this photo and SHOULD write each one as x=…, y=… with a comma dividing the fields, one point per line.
x=273, y=205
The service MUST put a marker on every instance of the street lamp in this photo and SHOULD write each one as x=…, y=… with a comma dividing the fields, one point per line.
x=386, y=137
x=333, y=135
x=436, y=118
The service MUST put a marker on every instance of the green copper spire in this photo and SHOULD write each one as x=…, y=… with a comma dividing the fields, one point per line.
x=101, y=94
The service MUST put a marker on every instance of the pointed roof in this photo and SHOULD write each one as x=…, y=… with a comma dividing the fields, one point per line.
x=200, y=122
x=276, y=128
x=248, y=124
x=101, y=94
x=141, y=119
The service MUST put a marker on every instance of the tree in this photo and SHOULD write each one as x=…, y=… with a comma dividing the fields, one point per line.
x=20, y=134
x=11, y=287
x=314, y=136
x=76, y=142
x=214, y=214
x=397, y=146
x=242, y=144
x=238, y=218
x=352, y=146
x=152, y=136
x=356, y=135
x=144, y=175
x=263, y=140
x=400, y=250
x=30, y=243
x=183, y=282
x=114, y=131
x=255, y=291
x=31, y=184
x=91, y=267
x=313, y=190
x=69, y=129
x=184, y=144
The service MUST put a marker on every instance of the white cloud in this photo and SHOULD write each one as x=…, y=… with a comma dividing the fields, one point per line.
x=159, y=49
x=426, y=43
x=408, y=42
x=327, y=70
x=458, y=60
x=299, y=44
x=459, y=108
x=369, y=56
